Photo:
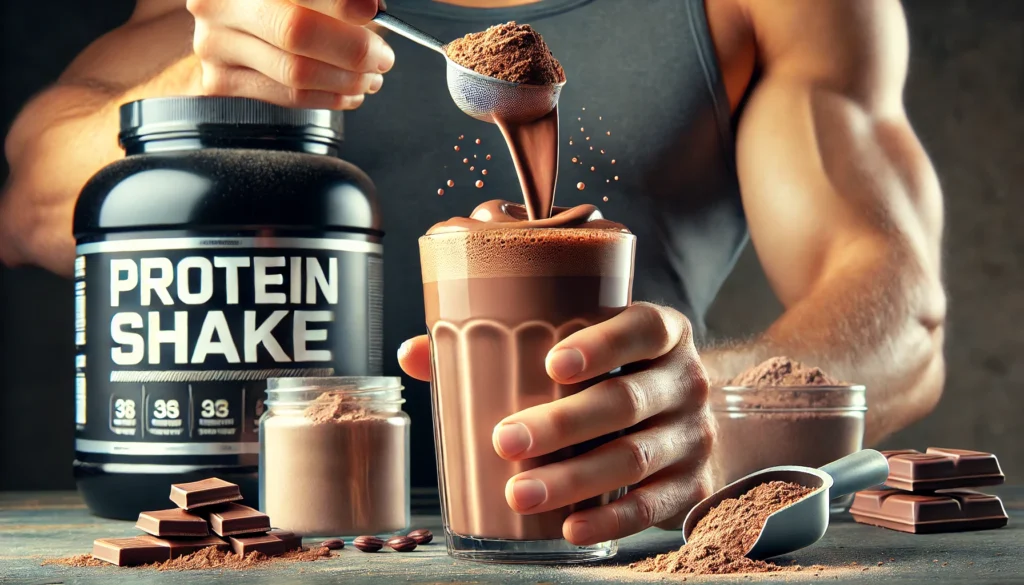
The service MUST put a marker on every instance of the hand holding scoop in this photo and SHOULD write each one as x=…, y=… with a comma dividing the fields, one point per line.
x=803, y=523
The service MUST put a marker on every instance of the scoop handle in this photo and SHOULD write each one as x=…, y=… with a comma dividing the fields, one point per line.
x=397, y=25
x=857, y=471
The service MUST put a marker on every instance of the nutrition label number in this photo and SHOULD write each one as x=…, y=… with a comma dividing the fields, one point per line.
x=124, y=409
x=214, y=409
x=166, y=410
x=216, y=415
x=123, y=415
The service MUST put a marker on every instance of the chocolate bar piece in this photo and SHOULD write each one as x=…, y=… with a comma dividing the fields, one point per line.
x=234, y=519
x=939, y=469
x=267, y=544
x=949, y=511
x=185, y=546
x=123, y=552
x=273, y=543
x=204, y=493
x=291, y=540
x=173, y=522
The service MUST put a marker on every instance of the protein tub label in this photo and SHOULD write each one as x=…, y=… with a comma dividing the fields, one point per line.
x=177, y=337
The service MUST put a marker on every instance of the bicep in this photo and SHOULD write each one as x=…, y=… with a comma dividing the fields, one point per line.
x=832, y=175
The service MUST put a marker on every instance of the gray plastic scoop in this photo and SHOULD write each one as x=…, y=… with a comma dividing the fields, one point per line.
x=803, y=523
x=482, y=97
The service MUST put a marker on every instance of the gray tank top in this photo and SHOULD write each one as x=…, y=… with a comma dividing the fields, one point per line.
x=647, y=69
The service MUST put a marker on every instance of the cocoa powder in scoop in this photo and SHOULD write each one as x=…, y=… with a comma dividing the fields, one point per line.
x=721, y=540
x=512, y=52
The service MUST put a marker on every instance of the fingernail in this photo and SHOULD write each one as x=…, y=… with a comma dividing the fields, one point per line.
x=581, y=531
x=387, y=58
x=512, y=439
x=566, y=363
x=376, y=81
x=404, y=348
x=529, y=493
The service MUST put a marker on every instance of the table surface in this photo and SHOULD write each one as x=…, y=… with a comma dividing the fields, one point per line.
x=41, y=525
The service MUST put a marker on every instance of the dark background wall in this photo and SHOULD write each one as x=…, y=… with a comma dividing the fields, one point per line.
x=965, y=93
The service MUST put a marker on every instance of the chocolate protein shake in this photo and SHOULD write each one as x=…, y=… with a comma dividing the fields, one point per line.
x=500, y=291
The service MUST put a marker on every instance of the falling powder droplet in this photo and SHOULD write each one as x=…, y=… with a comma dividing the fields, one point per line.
x=608, y=133
x=580, y=186
x=602, y=151
x=479, y=184
x=607, y=180
x=581, y=130
x=588, y=138
x=474, y=156
x=472, y=168
x=580, y=119
x=591, y=148
x=605, y=198
x=465, y=161
x=451, y=183
x=600, y=117
x=478, y=141
x=574, y=159
x=591, y=169
x=440, y=192
x=584, y=109
x=616, y=177
x=613, y=161
x=488, y=157
x=483, y=172
x=461, y=136
x=570, y=143
x=456, y=147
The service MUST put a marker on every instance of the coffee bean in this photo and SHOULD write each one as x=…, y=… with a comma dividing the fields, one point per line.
x=402, y=543
x=368, y=543
x=421, y=536
x=333, y=544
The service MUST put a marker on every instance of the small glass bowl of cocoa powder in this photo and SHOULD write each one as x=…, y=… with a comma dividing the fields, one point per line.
x=766, y=426
x=334, y=456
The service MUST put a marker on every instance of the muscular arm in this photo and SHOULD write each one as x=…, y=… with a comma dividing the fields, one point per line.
x=69, y=131
x=844, y=208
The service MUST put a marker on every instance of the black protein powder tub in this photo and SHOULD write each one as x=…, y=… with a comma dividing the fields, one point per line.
x=230, y=245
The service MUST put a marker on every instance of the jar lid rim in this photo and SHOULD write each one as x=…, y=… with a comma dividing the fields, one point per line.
x=353, y=384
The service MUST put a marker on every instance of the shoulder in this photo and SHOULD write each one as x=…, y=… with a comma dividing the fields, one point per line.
x=855, y=47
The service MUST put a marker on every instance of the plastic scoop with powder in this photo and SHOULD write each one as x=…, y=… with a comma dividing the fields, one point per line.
x=511, y=52
x=721, y=540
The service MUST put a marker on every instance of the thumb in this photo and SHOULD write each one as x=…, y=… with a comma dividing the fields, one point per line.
x=414, y=357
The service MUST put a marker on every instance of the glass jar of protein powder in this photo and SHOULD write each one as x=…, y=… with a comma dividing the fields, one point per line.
x=230, y=245
x=334, y=456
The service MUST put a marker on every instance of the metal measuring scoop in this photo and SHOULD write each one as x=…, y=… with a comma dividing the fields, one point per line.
x=482, y=97
x=803, y=523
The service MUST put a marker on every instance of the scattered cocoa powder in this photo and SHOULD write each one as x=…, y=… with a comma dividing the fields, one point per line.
x=721, y=539
x=783, y=371
x=75, y=561
x=207, y=558
x=512, y=52
x=211, y=558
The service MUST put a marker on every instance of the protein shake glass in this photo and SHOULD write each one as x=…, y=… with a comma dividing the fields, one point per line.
x=498, y=298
